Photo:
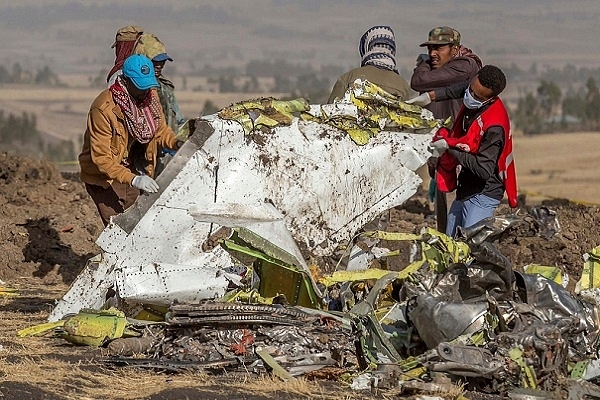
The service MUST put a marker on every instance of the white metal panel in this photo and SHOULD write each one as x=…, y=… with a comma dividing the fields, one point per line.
x=323, y=185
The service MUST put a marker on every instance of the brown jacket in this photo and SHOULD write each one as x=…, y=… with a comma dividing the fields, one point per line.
x=457, y=70
x=106, y=143
x=388, y=80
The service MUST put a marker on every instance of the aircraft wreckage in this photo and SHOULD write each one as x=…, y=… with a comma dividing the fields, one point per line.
x=229, y=265
x=296, y=185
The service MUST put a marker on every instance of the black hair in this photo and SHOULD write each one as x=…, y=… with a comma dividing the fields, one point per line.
x=492, y=78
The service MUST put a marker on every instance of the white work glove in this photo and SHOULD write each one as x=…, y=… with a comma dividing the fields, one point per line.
x=421, y=100
x=438, y=147
x=145, y=183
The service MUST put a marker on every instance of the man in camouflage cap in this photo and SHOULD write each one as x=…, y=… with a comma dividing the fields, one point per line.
x=446, y=63
x=129, y=33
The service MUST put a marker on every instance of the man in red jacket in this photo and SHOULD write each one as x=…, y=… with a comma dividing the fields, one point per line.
x=481, y=143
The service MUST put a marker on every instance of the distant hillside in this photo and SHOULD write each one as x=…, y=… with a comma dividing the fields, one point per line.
x=75, y=36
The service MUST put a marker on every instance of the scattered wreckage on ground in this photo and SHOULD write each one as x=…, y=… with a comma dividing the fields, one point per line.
x=251, y=258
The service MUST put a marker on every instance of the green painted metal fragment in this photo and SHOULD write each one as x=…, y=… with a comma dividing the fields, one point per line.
x=94, y=327
x=277, y=369
x=552, y=273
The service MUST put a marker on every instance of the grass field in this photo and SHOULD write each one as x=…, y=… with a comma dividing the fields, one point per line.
x=560, y=165
x=61, y=112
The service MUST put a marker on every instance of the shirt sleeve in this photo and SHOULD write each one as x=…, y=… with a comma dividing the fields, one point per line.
x=340, y=87
x=425, y=78
x=166, y=137
x=483, y=164
x=178, y=114
x=102, y=154
x=456, y=91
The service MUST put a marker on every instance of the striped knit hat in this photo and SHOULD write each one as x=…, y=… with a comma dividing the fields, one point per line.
x=378, y=47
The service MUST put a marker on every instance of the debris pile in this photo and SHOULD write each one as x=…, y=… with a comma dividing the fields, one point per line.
x=458, y=314
x=253, y=256
x=290, y=195
x=241, y=337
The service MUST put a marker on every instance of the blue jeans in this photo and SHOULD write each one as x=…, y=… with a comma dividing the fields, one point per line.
x=469, y=212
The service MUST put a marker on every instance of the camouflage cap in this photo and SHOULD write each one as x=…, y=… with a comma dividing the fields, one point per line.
x=150, y=46
x=442, y=35
x=128, y=33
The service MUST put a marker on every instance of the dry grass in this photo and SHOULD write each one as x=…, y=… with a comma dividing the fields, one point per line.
x=52, y=366
x=85, y=379
x=559, y=165
x=296, y=388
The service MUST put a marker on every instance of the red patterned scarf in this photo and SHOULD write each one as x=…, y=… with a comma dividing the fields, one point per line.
x=141, y=118
x=122, y=51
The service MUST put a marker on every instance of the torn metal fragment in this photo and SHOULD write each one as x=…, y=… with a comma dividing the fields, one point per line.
x=440, y=321
x=215, y=314
x=467, y=361
x=277, y=369
x=546, y=221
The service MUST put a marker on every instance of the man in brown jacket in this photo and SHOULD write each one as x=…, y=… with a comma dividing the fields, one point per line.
x=446, y=63
x=125, y=126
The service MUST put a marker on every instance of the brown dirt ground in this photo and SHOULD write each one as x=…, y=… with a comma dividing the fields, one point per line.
x=48, y=226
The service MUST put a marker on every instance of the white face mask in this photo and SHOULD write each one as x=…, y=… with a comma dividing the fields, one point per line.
x=470, y=102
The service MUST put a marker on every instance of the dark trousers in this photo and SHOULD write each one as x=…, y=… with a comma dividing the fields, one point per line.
x=113, y=200
x=441, y=211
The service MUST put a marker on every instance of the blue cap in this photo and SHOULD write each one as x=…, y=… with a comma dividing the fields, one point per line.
x=140, y=70
x=162, y=57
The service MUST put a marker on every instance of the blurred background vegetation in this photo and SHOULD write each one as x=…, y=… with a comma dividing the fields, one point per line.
x=549, y=100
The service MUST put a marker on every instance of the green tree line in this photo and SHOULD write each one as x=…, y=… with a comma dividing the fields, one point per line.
x=548, y=110
x=19, y=134
x=17, y=74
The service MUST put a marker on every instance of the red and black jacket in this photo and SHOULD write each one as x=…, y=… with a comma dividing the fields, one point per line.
x=481, y=142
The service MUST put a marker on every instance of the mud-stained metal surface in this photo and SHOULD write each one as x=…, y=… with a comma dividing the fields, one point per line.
x=321, y=186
